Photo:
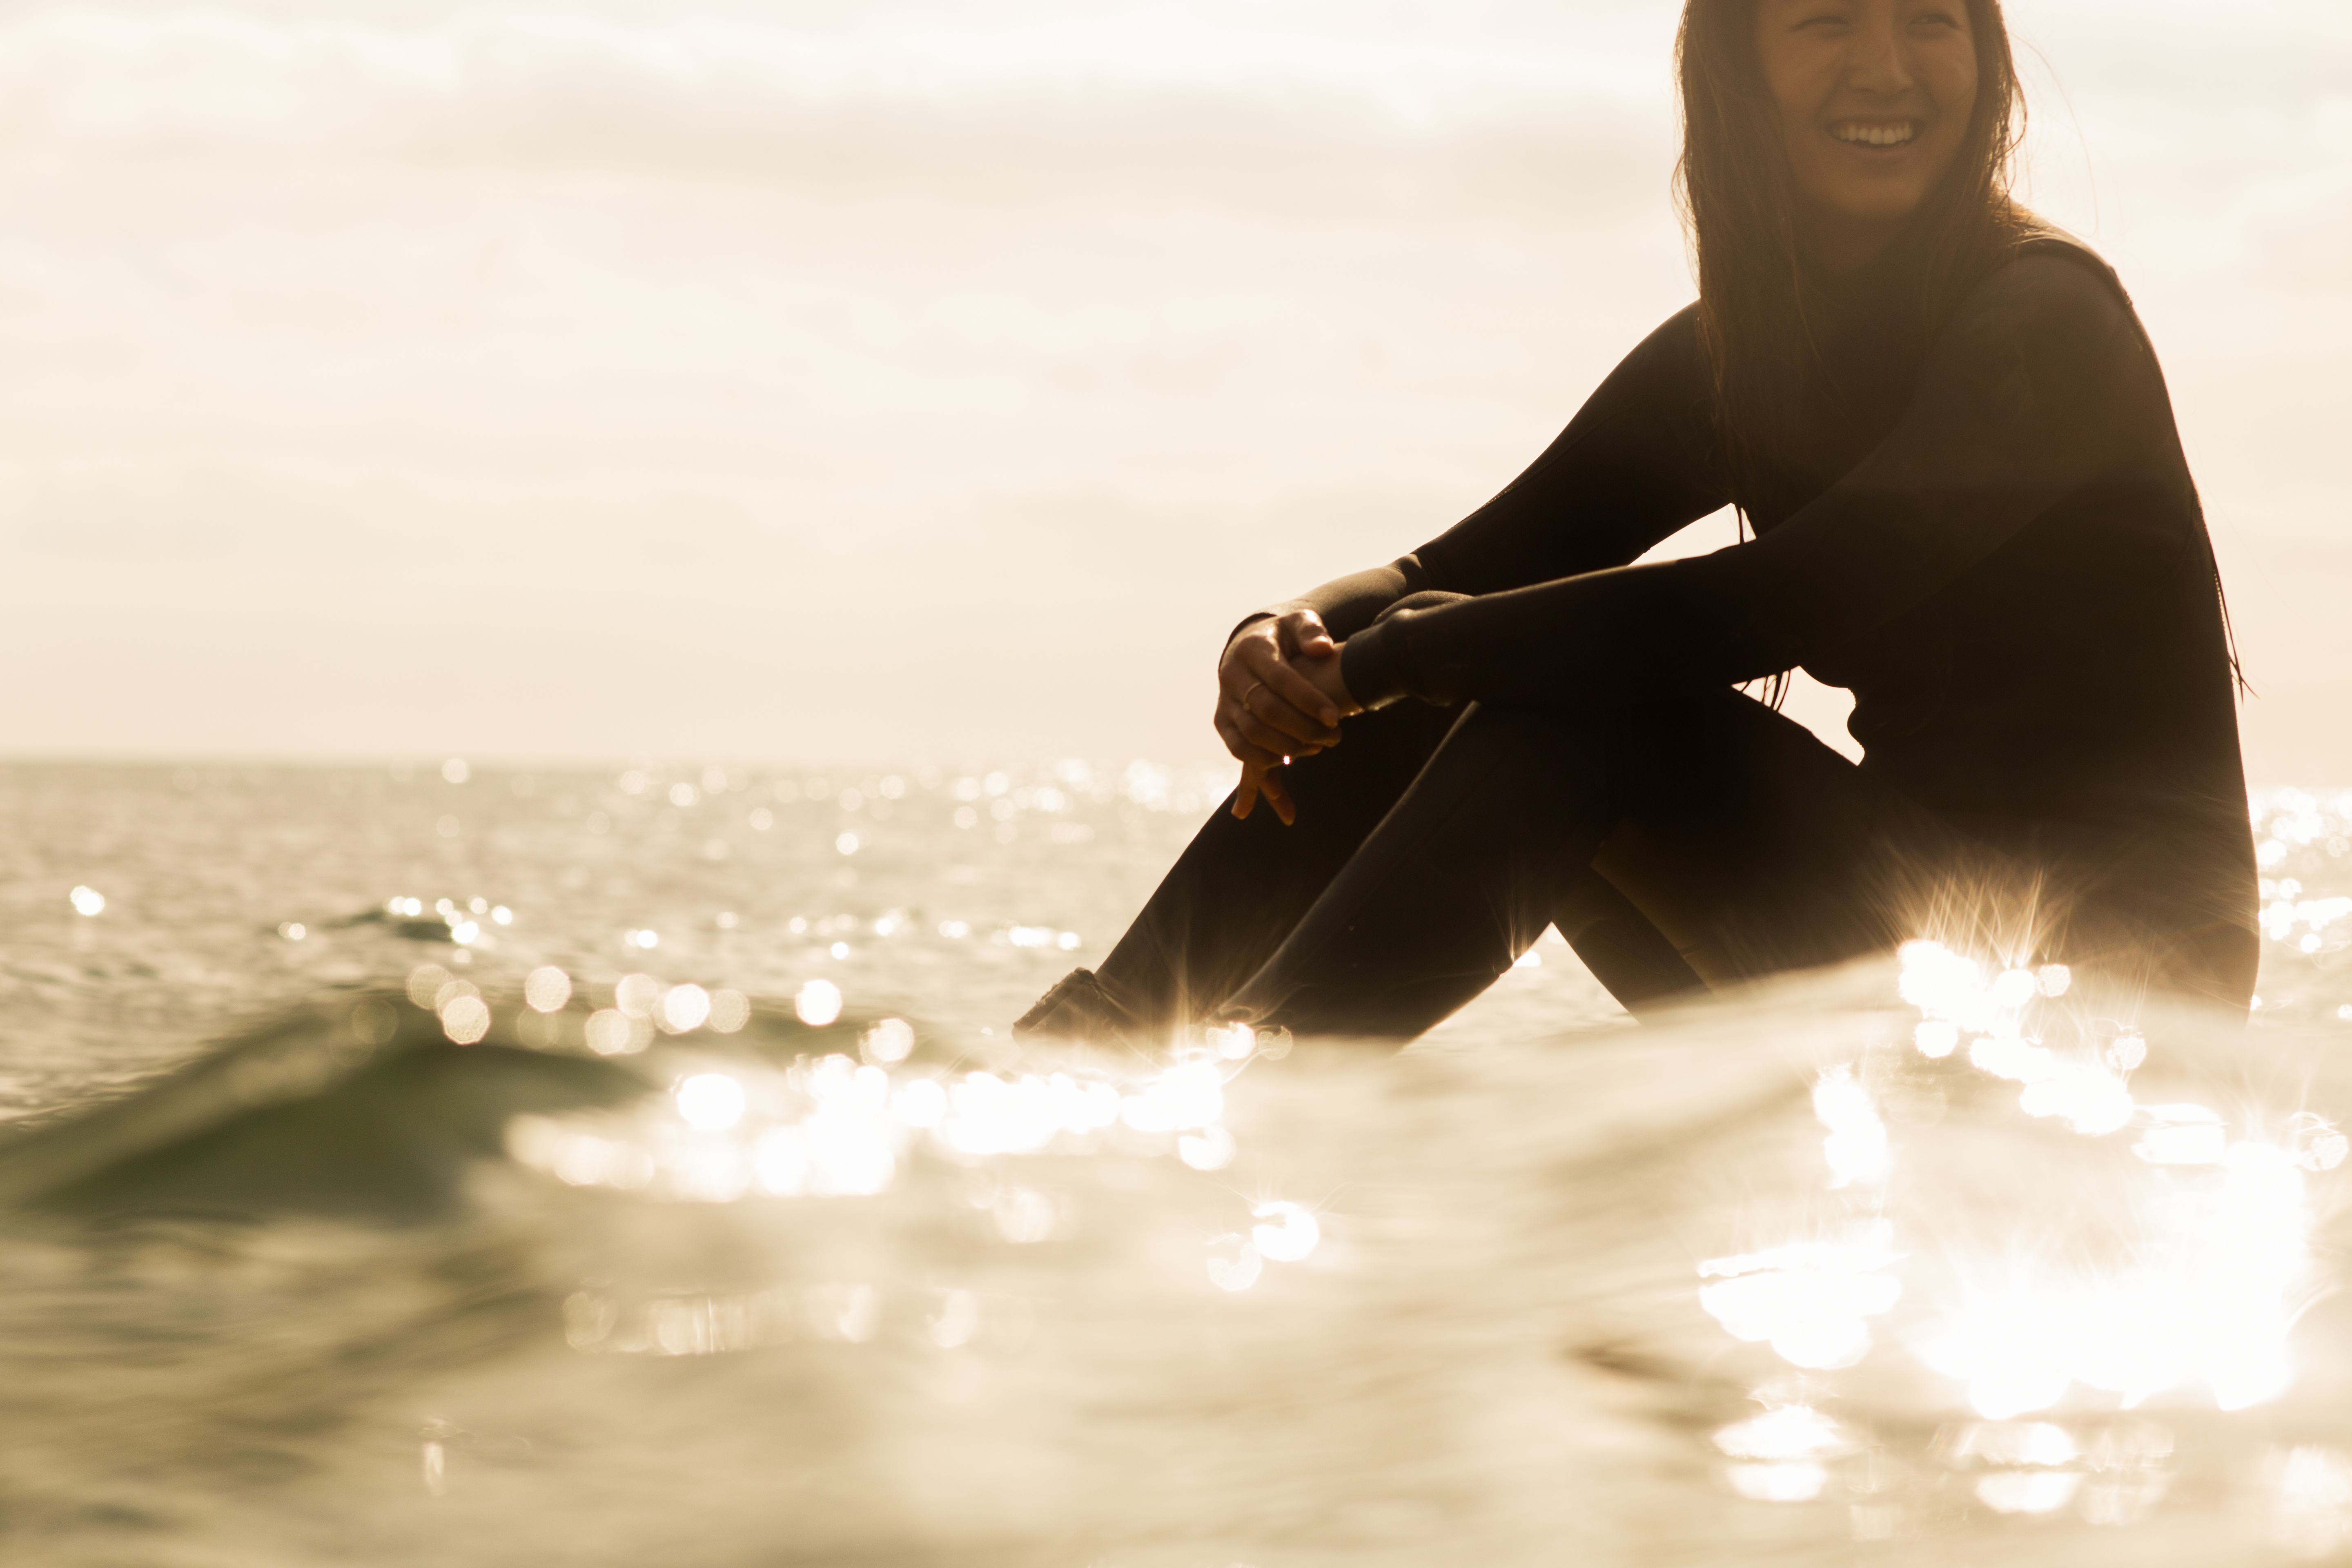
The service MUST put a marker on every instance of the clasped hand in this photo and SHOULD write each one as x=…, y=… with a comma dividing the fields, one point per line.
x=1279, y=696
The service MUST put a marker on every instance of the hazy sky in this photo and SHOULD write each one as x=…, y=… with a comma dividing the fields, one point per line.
x=881, y=379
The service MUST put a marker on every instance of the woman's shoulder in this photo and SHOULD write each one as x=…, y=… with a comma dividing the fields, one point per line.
x=1662, y=376
x=2052, y=305
x=1670, y=362
x=1675, y=340
x=2050, y=279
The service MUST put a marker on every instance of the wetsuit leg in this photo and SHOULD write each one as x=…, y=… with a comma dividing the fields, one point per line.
x=1805, y=860
x=1755, y=850
x=1457, y=880
x=1623, y=948
x=1240, y=886
x=1730, y=844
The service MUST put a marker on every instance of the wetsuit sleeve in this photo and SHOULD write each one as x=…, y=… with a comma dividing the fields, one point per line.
x=1631, y=468
x=2028, y=394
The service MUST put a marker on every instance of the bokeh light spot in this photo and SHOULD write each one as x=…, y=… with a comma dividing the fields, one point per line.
x=609, y=1034
x=1232, y=1263
x=888, y=1042
x=635, y=995
x=684, y=1007
x=1211, y=1149
x=818, y=1002
x=710, y=1102
x=466, y=1019
x=547, y=989
x=1285, y=1233
x=729, y=1011
x=425, y=983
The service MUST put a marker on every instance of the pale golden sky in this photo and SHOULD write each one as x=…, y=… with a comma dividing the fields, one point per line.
x=878, y=380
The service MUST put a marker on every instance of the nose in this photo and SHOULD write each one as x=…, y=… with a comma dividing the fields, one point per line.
x=1878, y=59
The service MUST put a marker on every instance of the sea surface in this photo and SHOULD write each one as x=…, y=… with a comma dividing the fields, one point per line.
x=430, y=1164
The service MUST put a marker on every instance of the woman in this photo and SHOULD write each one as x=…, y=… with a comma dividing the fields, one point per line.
x=1949, y=436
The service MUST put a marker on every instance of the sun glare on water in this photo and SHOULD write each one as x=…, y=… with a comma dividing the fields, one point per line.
x=2184, y=1262
x=836, y=1126
x=2156, y=1256
x=1999, y=1255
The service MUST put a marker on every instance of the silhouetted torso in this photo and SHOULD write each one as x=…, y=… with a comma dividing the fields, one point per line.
x=2006, y=564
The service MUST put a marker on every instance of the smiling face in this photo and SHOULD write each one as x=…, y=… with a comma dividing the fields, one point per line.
x=1874, y=98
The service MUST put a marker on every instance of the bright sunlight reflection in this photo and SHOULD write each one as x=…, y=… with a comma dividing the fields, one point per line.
x=2190, y=1261
x=835, y=1126
x=2157, y=1252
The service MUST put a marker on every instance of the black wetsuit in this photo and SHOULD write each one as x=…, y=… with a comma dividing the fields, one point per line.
x=2010, y=570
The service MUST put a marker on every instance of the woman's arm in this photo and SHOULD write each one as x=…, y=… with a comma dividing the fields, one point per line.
x=1629, y=469
x=2036, y=386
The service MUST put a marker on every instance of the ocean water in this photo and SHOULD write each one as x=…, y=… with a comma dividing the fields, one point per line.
x=435, y=1165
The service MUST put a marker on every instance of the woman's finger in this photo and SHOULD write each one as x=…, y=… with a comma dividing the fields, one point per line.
x=1272, y=687
x=1269, y=785
x=1302, y=632
x=1265, y=782
x=1299, y=730
x=1268, y=739
x=1245, y=752
x=1246, y=794
x=1316, y=711
x=1252, y=646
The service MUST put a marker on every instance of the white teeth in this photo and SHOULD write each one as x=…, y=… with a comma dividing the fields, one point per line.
x=1873, y=135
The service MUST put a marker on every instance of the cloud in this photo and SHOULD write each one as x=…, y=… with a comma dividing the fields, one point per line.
x=601, y=84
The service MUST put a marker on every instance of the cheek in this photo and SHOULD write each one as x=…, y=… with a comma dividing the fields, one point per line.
x=1799, y=90
x=1952, y=83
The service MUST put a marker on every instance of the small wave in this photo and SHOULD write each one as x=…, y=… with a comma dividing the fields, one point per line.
x=1798, y=1270
x=355, y=1104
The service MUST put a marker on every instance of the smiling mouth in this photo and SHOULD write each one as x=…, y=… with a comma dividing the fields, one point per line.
x=1867, y=134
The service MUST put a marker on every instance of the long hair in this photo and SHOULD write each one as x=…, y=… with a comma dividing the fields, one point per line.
x=1758, y=304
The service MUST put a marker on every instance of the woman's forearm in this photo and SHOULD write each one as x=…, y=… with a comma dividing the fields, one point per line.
x=1348, y=604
